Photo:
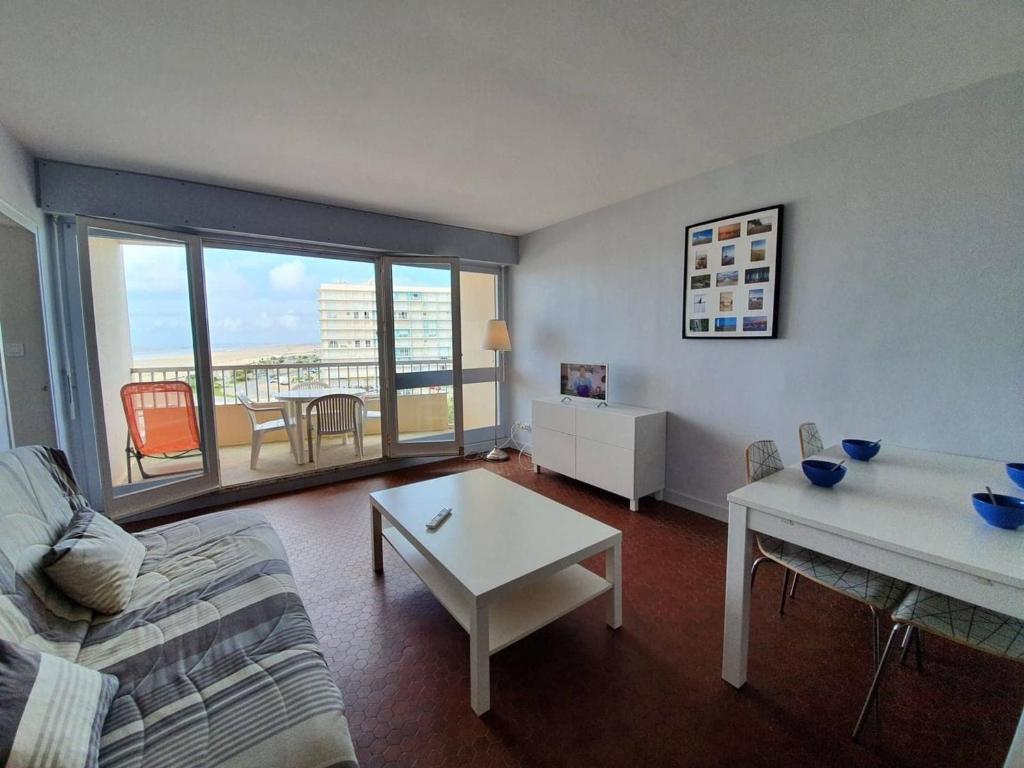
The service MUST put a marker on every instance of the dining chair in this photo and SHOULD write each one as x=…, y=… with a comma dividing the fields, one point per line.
x=922, y=610
x=334, y=415
x=810, y=444
x=878, y=592
x=260, y=428
x=810, y=440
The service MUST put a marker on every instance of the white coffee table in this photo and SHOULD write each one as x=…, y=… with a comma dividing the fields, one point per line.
x=504, y=564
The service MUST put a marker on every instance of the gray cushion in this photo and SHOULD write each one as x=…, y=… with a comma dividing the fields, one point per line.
x=53, y=710
x=95, y=562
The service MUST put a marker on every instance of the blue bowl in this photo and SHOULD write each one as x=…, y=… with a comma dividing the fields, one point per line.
x=823, y=473
x=1016, y=473
x=861, y=450
x=1007, y=512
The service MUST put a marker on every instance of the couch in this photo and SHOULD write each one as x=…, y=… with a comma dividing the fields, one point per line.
x=215, y=655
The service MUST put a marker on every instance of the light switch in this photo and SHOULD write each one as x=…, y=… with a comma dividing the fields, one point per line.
x=14, y=349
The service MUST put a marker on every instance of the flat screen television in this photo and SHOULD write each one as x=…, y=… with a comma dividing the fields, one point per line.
x=589, y=380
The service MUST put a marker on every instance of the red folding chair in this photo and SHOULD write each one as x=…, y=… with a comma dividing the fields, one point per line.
x=162, y=423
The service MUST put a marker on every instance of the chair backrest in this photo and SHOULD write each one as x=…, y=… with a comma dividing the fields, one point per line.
x=250, y=409
x=810, y=439
x=335, y=414
x=161, y=417
x=763, y=459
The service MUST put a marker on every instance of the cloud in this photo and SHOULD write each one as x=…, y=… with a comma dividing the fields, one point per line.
x=289, y=320
x=290, y=276
x=155, y=269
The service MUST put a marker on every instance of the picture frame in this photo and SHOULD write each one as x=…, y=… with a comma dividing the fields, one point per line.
x=731, y=277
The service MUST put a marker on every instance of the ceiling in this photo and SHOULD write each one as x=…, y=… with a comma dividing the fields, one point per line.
x=503, y=115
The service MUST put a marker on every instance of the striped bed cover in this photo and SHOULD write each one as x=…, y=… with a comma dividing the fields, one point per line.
x=216, y=659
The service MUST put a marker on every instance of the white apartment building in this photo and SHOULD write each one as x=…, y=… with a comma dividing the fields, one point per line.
x=348, y=322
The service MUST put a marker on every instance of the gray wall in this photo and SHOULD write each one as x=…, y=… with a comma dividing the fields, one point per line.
x=18, y=201
x=903, y=280
x=17, y=178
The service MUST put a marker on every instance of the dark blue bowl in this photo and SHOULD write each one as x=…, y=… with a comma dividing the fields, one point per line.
x=1016, y=473
x=823, y=473
x=861, y=450
x=1007, y=512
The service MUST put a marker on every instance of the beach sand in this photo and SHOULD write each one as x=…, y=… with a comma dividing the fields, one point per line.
x=237, y=356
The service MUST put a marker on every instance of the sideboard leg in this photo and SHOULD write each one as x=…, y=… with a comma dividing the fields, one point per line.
x=660, y=495
x=634, y=505
x=536, y=468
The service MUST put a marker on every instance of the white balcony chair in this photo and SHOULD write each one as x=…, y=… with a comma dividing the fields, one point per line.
x=334, y=415
x=261, y=428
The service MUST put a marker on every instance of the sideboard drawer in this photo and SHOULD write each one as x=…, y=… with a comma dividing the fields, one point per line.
x=606, y=426
x=554, y=416
x=554, y=450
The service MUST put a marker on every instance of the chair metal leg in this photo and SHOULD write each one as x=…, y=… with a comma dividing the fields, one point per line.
x=875, y=642
x=905, y=646
x=877, y=679
x=792, y=589
x=753, y=568
x=918, y=653
x=785, y=588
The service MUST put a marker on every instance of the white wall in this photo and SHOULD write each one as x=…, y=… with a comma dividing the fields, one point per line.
x=902, y=295
x=113, y=345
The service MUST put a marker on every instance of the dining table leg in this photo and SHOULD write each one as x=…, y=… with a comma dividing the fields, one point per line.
x=739, y=558
x=300, y=437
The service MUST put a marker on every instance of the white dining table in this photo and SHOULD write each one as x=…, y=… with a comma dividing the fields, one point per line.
x=906, y=513
x=296, y=400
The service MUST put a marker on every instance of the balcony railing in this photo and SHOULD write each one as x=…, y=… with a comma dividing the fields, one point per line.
x=262, y=382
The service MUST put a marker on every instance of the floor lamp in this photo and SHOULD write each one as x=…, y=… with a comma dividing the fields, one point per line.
x=497, y=341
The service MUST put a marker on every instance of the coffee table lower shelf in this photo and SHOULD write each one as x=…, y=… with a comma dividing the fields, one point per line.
x=520, y=612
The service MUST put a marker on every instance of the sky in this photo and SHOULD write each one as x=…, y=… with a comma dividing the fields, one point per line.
x=253, y=298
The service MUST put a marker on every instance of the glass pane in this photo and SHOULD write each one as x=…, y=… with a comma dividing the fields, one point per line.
x=285, y=328
x=478, y=303
x=478, y=405
x=422, y=305
x=146, y=354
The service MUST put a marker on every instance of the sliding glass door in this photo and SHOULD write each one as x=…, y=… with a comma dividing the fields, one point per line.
x=143, y=291
x=422, y=353
x=203, y=356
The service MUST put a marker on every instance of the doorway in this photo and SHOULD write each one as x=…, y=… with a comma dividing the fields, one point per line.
x=26, y=369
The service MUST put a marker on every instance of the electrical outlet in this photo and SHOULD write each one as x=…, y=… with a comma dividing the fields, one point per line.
x=524, y=426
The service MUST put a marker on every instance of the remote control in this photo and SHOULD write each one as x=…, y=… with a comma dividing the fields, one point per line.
x=439, y=518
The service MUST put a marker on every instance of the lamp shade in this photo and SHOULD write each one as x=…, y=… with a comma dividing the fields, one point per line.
x=496, y=337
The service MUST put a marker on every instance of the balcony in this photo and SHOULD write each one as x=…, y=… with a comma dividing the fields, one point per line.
x=421, y=412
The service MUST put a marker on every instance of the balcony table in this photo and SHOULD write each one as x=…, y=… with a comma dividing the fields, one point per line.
x=906, y=513
x=296, y=400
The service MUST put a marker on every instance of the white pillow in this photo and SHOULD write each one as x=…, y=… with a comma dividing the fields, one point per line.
x=95, y=562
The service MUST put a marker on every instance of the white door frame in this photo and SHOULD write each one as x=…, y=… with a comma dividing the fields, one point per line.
x=393, y=381
x=155, y=492
x=54, y=360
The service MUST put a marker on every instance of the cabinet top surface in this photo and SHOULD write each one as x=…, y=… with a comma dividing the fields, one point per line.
x=592, y=405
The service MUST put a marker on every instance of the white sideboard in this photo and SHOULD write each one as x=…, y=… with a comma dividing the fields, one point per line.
x=620, y=448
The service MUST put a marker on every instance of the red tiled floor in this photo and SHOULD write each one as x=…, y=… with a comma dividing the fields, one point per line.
x=578, y=693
